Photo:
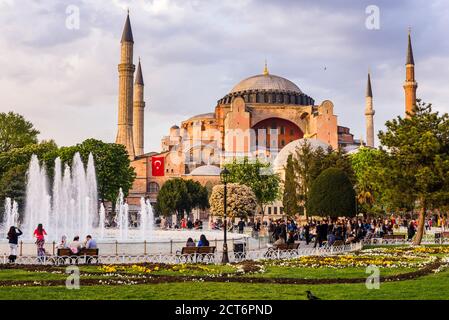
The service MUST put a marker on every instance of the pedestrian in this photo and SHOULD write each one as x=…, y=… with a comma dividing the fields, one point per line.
x=39, y=234
x=13, y=237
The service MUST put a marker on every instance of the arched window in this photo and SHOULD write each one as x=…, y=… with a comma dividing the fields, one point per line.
x=153, y=187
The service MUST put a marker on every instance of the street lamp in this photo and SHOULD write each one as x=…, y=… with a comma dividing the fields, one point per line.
x=224, y=176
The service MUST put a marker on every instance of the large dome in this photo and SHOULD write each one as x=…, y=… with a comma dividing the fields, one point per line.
x=266, y=82
x=290, y=149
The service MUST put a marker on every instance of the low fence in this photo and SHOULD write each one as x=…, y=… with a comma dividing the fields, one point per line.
x=138, y=248
x=177, y=258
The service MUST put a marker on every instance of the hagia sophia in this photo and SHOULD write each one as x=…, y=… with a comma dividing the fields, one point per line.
x=264, y=116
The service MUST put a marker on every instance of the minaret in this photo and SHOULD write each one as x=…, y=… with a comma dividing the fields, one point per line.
x=369, y=114
x=410, y=85
x=126, y=70
x=138, y=115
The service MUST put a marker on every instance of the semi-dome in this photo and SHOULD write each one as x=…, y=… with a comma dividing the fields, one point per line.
x=290, y=149
x=266, y=82
x=206, y=170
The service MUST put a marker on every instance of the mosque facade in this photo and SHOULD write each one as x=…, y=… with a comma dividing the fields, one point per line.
x=258, y=118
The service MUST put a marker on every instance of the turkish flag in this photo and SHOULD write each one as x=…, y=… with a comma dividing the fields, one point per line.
x=157, y=166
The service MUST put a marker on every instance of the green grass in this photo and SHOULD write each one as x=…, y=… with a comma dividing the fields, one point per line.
x=324, y=273
x=433, y=286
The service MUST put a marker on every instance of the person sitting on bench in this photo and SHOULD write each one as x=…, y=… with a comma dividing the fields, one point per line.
x=90, y=243
x=75, y=245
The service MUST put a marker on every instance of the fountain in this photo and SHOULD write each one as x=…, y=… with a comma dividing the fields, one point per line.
x=11, y=215
x=68, y=205
x=72, y=207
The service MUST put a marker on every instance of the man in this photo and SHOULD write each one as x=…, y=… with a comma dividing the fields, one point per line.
x=241, y=225
x=90, y=243
x=318, y=235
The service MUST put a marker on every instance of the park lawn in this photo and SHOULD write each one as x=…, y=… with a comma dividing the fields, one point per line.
x=434, y=286
x=324, y=273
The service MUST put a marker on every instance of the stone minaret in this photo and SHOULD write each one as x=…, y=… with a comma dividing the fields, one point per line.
x=410, y=85
x=138, y=115
x=369, y=114
x=126, y=70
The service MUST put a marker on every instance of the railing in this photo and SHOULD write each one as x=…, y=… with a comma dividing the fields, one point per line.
x=270, y=254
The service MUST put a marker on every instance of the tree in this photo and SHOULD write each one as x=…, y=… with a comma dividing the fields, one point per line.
x=364, y=165
x=290, y=198
x=240, y=199
x=332, y=194
x=310, y=162
x=198, y=195
x=15, y=132
x=173, y=198
x=13, y=168
x=415, y=165
x=259, y=177
x=112, y=166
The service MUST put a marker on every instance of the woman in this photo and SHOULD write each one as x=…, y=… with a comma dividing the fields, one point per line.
x=203, y=241
x=190, y=243
x=13, y=237
x=40, y=234
x=75, y=245
x=63, y=243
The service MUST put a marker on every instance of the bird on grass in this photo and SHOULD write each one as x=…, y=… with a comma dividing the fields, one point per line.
x=311, y=296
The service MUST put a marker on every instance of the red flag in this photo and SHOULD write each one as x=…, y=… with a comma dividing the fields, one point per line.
x=157, y=166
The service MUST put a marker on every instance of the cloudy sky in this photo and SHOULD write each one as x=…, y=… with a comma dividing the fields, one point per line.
x=65, y=80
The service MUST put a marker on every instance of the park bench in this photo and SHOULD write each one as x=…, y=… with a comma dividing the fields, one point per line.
x=441, y=237
x=197, y=254
x=282, y=249
x=393, y=238
x=65, y=255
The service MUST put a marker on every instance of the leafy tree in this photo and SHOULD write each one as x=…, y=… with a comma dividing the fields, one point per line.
x=240, y=199
x=364, y=165
x=415, y=165
x=290, y=198
x=258, y=176
x=15, y=132
x=181, y=196
x=332, y=194
x=173, y=198
x=12, y=185
x=198, y=195
x=310, y=162
x=112, y=166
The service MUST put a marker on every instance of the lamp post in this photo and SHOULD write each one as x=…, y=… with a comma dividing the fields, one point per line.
x=224, y=175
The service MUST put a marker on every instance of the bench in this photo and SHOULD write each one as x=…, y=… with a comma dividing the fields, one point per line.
x=196, y=254
x=393, y=238
x=65, y=255
x=281, y=249
x=441, y=237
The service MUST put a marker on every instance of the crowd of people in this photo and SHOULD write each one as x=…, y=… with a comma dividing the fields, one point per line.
x=344, y=230
x=39, y=234
x=184, y=223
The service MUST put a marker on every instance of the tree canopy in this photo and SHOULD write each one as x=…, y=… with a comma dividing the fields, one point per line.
x=15, y=132
x=179, y=196
x=259, y=177
x=240, y=201
x=332, y=194
x=414, y=164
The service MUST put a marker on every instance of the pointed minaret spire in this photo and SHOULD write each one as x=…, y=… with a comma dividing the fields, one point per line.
x=410, y=85
x=138, y=112
x=139, y=77
x=369, y=114
x=127, y=35
x=126, y=70
x=410, y=59
x=265, y=69
x=369, y=91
